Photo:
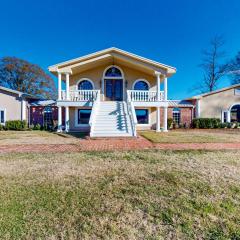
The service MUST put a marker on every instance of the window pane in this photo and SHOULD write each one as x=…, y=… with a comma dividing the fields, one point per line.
x=1, y=116
x=84, y=116
x=142, y=116
x=141, y=85
x=176, y=115
x=113, y=72
x=85, y=85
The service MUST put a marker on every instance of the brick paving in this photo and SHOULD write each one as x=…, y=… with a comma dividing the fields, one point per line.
x=113, y=144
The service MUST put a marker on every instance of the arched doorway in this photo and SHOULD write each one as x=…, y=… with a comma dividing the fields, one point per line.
x=235, y=113
x=113, y=83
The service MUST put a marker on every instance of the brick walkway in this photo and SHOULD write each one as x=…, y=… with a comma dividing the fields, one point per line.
x=113, y=144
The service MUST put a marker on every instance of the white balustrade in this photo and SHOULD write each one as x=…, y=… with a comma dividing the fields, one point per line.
x=80, y=95
x=144, y=96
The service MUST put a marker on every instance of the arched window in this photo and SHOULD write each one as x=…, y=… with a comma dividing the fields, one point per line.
x=235, y=113
x=85, y=85
x=113, y=72
x=141, y=85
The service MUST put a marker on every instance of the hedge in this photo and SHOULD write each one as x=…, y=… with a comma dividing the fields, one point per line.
x=206, y=123
x=15, y=125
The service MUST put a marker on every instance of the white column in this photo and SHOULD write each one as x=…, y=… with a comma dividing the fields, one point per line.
x=66, y=119
x=165, y=129
x=24, y=109
x=103, y=88
x=165, y=88
x=158, y=82
x=59, y=119
x=228, y=116
x=158, y=123
x=67, y=86
x=59, y=86
x=198, y=108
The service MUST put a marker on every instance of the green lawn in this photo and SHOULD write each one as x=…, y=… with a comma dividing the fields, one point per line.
x=120, y=195
x=193, y=136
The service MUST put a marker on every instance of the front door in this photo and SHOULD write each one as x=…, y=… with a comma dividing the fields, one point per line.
x=114, y=89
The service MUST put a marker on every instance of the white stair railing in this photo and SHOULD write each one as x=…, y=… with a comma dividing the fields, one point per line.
x=132, y=114
x=144, y=96
x=80, y=95
x=94, y=112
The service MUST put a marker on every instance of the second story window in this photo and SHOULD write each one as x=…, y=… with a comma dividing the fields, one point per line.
x=85, y=85
x=113, y=72
x=141, y=85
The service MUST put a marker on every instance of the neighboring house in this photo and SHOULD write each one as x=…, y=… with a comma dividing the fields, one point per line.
x=14, y=105
x=114, y=93
x=223, y=104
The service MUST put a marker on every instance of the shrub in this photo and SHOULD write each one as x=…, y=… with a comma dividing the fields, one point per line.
x=37, y=127
x=169, y=123
x=15, y=125
x=1, y=127
x=206, y=123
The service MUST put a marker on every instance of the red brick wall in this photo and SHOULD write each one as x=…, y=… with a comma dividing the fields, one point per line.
x=36, y=115
x=186, y=115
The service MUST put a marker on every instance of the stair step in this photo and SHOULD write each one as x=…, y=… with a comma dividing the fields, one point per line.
x=112, y=120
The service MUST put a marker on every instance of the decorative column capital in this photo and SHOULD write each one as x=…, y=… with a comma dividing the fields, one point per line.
x=158, y=74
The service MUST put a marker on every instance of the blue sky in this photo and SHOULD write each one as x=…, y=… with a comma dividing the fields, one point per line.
x=171, y=32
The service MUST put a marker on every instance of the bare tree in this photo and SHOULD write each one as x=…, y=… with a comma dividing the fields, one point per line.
x=234, y=69
x=213, y=69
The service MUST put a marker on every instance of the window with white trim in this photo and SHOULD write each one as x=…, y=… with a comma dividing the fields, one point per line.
x=176, y=115
x=85, y=85
x=2, y=116
x=84, y=116
x=225, y=116
x=142, y=116
x=141, y=85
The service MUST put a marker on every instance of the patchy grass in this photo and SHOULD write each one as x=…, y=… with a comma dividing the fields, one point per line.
x=34, y=137
x=192, y=136
x=128, y=195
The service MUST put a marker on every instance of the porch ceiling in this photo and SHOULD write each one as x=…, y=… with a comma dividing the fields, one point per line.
x=112, y=56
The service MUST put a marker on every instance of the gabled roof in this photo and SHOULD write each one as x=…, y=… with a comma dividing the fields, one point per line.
x=109, y=52
x=20, y=94
x=214, y=92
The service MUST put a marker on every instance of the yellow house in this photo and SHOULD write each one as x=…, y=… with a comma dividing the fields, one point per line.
x=112, y=93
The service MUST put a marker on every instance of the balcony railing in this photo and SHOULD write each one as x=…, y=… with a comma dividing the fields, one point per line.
x=145, y=96
x=80, y=95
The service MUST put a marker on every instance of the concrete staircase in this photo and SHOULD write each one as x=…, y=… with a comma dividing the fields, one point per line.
x=112, y=120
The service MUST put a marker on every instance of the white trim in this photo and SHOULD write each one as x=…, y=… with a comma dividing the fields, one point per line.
x=4, y=115
x=222, y=115
x=59, y=119
x=76, y=118
x=59, y=86
x=120, y=78
x=55, y=67
x=85, y=79
x=198, y=108
x=143, y=80
x=115, y=66
x=229, y=111
x=23, y=110
x=149, y=117
x=233, y=106
x=165, y=116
